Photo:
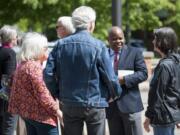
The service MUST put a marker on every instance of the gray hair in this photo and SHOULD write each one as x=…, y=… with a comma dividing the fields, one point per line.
x=66, y=22
x=7, y=33
x=82, y=16
x=33, y=45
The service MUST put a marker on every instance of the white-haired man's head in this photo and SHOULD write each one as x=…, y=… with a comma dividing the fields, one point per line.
x=64, y=26
x=84, y=17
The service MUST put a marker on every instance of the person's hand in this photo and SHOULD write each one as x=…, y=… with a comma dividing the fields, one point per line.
x=57, y=102
x=60, y=116
x=178, y=125
x=146, y=124
x=59, y=113
x=121, y=80
x=110, y=100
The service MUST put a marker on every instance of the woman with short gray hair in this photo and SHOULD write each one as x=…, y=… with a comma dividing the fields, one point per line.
x=8, y=38
x=8, y=34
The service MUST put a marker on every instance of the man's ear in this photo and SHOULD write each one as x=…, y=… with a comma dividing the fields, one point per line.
x=91, y=26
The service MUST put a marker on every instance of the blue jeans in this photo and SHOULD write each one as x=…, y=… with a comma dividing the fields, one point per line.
x=37, y=128
x=74, y=118
x=164, y=130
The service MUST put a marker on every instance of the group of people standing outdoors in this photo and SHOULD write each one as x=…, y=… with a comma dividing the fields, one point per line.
x=83, y=81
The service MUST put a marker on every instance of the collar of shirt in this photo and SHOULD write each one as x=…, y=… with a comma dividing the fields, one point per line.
x=6, y=45
x=117, y=52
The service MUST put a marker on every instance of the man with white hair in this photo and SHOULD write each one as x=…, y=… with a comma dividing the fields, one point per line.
x=64, y=26
x=79, y=72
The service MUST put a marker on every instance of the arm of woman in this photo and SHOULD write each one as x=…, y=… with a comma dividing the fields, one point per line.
x=157, y=90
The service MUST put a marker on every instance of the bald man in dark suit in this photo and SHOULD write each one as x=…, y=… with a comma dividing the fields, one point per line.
x=124, y=114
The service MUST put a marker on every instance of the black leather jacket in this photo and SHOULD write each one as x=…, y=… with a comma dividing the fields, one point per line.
x=164, y=95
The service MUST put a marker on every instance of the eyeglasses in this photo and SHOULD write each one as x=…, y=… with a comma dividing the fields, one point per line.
x=59, y=26
x=45, y=48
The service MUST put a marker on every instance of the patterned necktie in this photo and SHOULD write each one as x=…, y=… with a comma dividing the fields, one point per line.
x=116, y=60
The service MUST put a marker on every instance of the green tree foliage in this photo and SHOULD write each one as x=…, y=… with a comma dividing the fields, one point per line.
x=41, y=15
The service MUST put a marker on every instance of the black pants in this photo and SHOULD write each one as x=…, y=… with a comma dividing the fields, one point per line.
x=74, y=118
x=124, y=123
x=7, y=120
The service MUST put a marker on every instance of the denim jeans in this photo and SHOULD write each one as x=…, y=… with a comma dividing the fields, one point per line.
x=7, y=121
x=164, y=130
x=37, y=128
x=74, y=118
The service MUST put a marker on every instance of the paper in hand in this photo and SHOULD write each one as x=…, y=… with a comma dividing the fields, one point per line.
x=125, y=72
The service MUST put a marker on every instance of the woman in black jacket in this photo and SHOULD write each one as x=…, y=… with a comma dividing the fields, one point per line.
x=8, y=38
x=163, y=111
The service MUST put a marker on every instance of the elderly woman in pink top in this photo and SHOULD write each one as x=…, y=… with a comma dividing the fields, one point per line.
x=29, y=96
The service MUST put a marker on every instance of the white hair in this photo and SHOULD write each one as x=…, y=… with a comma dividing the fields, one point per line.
x=82, y=16
x=66, y=22
x=7, y=33
x=33, y=45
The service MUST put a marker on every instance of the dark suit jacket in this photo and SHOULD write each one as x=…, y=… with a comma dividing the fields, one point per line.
x=130, y=58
